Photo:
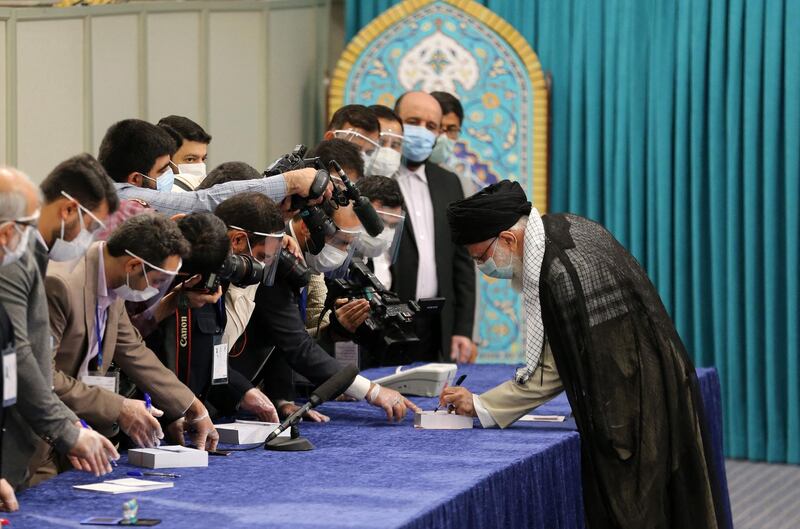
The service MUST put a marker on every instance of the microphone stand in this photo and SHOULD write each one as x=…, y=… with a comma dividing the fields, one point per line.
x=295, y=443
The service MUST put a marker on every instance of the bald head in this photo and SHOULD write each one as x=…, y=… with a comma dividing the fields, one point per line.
x=419, y=108
x=19, y=197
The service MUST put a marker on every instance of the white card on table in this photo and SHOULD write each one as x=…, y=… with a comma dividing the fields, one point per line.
x=542, y=418
x=126, y=485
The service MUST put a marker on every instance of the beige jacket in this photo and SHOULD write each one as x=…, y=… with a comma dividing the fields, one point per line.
x=71, y=297
x=509, y=401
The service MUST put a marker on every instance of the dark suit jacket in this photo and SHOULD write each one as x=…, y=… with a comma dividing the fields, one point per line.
x=38, y=412
x=276, y=321
x=455, y=271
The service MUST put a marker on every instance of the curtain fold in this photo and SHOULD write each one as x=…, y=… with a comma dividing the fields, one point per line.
x=677, y=125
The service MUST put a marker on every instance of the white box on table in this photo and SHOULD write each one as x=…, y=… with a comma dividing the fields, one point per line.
x=441, y=420
x=247, y=432
x=169, y=456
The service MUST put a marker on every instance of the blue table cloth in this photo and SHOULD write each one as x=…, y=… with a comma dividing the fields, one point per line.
x=364, y=473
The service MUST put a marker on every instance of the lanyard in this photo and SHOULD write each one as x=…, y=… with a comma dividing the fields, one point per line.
x=303, y=302
x=98, y=335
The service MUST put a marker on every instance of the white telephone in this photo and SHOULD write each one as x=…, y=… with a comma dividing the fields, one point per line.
x=422, y=381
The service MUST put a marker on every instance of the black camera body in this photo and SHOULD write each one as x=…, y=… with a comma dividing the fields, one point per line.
x=389, y=330
x=318, y=223
x=292, y=270
x=239, y=270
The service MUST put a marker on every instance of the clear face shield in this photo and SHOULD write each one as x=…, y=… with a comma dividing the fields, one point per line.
x=265, y=252
x=369, y=147
x=334, y=259
x=156, y=284
x=387, y=243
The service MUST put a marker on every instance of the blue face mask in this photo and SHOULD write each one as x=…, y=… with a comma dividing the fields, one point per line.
x=417, y=143
x=164, y=181
x=491, y=269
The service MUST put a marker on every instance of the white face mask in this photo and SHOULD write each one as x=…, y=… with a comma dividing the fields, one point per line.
x=372, y=247
x=63, y=250
x=129, y=294
x=195, y=169
x=11, y=256
x=386, y=162
x=329, y=259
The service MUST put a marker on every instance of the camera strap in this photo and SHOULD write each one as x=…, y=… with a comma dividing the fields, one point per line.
x=183, y=339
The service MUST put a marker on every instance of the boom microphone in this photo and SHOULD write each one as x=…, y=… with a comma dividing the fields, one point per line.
x=369, y=218
x=330, y=389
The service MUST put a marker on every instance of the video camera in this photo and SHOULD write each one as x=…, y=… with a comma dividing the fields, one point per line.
x=390, y=328
x=319, y=225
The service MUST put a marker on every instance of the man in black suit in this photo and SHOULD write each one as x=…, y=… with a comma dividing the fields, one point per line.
x=429, y=264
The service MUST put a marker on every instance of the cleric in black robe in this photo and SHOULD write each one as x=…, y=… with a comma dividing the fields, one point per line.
x=596, y=328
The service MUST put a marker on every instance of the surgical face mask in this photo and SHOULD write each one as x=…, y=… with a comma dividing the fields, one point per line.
x=329, y=259
x=164, y=181
x=196, y=169
x=417, y=143
x=128, y=294
x=372, y=247
x=386, y=162
x=11, y=256
x=70, y=250
x=490, y=268
x=443, y=149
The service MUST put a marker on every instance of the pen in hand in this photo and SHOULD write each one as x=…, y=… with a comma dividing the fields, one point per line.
x=85, y=425
x=458, y=383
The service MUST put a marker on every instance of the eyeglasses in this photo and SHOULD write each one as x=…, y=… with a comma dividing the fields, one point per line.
x=483, y=257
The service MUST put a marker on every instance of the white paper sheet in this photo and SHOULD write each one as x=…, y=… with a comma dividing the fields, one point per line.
x=126, y=485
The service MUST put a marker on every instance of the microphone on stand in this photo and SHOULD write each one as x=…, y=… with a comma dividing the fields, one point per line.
x=328, y=390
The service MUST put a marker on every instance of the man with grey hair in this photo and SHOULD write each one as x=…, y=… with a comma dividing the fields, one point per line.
x=37, y=410
x=595, y=326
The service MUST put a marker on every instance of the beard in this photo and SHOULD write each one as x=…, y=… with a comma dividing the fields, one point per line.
x=516, y=278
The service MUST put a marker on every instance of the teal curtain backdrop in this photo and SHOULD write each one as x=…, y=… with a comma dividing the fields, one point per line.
x=677, y=125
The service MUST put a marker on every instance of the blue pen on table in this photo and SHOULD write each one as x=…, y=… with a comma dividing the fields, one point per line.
x=84, y=425
x=139, y=474
x=458, y=383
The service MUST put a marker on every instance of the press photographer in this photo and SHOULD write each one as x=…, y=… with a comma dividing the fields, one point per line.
x=236, y=256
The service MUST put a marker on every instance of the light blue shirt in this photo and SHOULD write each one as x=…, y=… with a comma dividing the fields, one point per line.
x=205, y=199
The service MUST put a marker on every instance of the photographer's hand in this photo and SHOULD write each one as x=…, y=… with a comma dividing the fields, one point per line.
x=293, y=247
x=197, y=299
x=351, y=314
x=299, y=182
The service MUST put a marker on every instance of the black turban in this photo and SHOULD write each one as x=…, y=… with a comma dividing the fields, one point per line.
x=488, y=212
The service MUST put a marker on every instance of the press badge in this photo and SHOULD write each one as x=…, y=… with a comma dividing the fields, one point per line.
x=108, y=381
x=219, y=368
x=346, y=352
x=9, y=376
